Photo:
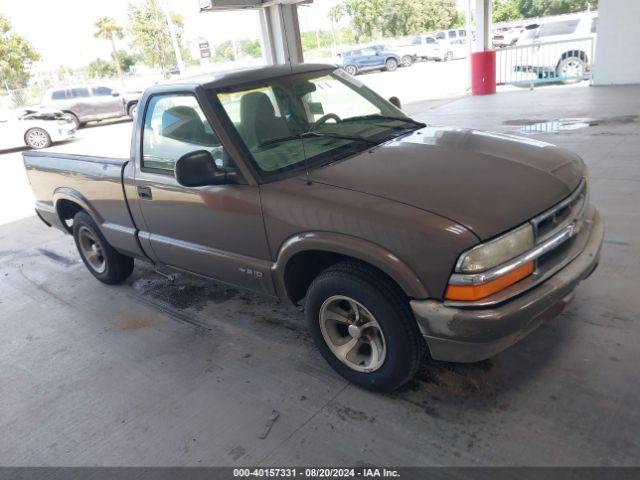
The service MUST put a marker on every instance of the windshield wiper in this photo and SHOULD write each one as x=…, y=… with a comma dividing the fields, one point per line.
x=303, y=135
x=385, y=117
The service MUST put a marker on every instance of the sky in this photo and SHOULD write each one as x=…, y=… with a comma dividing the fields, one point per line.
x=62, y=30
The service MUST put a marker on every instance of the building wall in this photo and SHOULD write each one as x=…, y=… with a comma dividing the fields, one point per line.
x=618, y=49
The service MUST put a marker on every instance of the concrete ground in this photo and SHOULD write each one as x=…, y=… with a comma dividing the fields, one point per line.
x=188, y=372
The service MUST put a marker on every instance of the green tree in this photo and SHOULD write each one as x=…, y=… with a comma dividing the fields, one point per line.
x=125, y=59
x=101, y=69
x=150, y=34
x=224, y=52
x=539, y=8
x=366, y=17
x=16, y=56
x=250, y=48
x=505, y=10
x=108, y=29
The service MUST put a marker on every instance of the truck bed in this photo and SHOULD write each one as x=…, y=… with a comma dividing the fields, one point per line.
x=62, y=183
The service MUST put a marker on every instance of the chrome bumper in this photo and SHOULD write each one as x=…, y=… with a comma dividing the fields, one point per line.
x=461, y=334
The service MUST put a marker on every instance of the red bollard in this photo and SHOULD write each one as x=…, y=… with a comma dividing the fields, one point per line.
x=483, y=72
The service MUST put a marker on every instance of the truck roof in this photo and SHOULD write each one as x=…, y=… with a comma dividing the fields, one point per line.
x=254, y=74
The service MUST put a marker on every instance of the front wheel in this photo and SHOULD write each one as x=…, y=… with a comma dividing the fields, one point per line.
x=406, y=61
x=132, y=110
x=101, y=259
x=37, y=138
x=391, y=64
x=448, y=56
x=363, y=326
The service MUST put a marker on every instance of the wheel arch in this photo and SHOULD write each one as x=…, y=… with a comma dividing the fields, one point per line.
x=302, y=257
x=68, y=202
x=576, y=52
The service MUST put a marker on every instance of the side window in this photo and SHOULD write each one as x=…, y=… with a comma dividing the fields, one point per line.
x=102, y=91
x=173, y=126
x=416, y=41
x=441, y=35
x=431, y=40
x=58, y=95
x=558, y=28
x=453, y=34
x=594, y=25
x=368, y=52
x=78, y=93
x=462, y=33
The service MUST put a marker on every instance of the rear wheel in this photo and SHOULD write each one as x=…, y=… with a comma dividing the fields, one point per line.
x=391, y=64
x=448, y=56
x=101, y=259
x=572, y=69
x=37, y=138
x=363, y=326
x=351, y=69
x=406, y=61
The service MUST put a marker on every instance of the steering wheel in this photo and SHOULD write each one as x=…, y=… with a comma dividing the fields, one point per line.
x=325, y=118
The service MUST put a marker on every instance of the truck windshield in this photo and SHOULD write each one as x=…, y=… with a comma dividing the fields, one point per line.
x=309, y=118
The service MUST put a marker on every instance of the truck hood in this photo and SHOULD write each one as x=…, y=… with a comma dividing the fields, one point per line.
x=488, y=182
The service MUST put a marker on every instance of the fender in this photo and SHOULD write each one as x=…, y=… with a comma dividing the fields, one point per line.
x=65, y=193
x=364, y=250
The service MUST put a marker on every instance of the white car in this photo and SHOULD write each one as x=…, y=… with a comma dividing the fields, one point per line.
x=34, y=128
x=558, y=47
x=416, y=47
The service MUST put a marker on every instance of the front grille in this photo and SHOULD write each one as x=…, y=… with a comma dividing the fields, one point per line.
x=569, y=210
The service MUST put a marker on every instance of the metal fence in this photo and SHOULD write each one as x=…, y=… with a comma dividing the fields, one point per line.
x=560, y=61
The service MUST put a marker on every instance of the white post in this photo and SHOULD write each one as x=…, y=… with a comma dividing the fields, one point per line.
x=483, y=25
x=174, y=37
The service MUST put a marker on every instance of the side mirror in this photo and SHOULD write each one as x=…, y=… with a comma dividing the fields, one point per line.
x=199, y=169
x=115, y=93
x=395, y=101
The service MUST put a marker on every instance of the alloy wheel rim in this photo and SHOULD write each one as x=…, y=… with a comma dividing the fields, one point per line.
x=352, y=333
x=91, y=250
x=37, y=138
x=572, y=68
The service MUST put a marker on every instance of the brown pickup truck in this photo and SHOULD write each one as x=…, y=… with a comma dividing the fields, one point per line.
x=301, y=183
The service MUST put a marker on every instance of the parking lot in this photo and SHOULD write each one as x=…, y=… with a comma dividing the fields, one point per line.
x=176, y=370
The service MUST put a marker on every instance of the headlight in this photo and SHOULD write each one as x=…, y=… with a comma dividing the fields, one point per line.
x=493, y=253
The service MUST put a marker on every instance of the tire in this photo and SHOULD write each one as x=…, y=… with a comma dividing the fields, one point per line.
x=391, y=64
x=37, y=138
x=448, y=56
x=351, y=70
x=399, y=345
x=131, y=111
x=571, y=67
x=107, y=265
x=74, y=118
x=406, y=61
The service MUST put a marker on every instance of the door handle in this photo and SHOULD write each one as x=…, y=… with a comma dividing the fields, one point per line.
x=145, y=193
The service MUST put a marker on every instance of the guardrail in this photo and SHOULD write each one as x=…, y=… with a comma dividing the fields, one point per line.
x=564, y=61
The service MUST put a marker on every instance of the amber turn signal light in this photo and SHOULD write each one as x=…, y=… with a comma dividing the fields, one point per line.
x=479, y=291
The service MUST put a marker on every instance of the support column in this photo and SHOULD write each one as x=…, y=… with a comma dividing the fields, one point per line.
x=280, y=37
x=483, y=25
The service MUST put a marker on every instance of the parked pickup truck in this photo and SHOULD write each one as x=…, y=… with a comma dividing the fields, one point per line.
x=301, y=183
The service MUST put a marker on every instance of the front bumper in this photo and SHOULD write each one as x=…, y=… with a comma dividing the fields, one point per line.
x=458, y=334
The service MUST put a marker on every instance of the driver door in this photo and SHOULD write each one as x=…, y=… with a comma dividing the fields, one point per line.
x=216, y=231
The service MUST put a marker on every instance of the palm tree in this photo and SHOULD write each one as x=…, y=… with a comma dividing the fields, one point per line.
x=108, y=29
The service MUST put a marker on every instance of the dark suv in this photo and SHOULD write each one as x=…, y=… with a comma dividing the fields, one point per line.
x=375, y=57
x=86, y=103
